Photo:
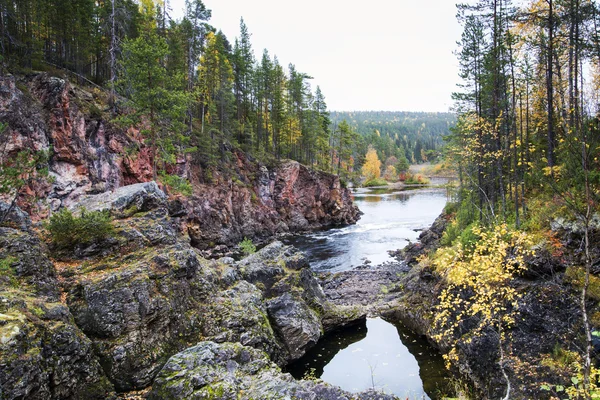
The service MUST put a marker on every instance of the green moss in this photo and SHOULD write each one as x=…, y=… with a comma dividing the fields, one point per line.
x=214, y=392
x=8, y=273
x=576, y=277
x=37, y=311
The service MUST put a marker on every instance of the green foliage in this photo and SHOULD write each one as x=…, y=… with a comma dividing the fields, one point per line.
x=567, y=363
x=576, y=277
x=21, y=169
x=402, y=165
x=416, y=179
x=176, y=183
x=7, y=271
x=375, y=182
x=399, y=134
x=247, y=246
x=68, y=231
x=156, y=97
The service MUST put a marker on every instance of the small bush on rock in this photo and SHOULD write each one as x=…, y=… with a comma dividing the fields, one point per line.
x=247, y=246
x=68, y=231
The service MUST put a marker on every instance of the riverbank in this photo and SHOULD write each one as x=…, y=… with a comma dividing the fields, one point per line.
x=143, y=311
x=543, y=341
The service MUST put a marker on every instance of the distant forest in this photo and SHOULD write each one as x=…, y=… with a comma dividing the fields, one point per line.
x=417, y=135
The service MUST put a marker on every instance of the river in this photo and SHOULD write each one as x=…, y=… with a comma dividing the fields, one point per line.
x=391, y=218
x=377, y=354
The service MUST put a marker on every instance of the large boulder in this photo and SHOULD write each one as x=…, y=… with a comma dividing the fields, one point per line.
x=125, y=201
x=141, y=308
x=239, y=314
x=298, y=326
x=230, y=371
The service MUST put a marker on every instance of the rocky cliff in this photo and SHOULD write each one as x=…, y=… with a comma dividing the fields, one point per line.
x=110, y=314
x=89, y=155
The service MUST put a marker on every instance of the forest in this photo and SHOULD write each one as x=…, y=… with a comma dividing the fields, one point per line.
x=526, y=147
x=198, y=92
x=418, y=134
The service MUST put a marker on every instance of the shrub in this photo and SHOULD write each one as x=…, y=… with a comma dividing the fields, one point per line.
x=7, y=272
x=176, y=183
x=375, y=182
x=416, y=179
x=247, y=246
x=68, y=231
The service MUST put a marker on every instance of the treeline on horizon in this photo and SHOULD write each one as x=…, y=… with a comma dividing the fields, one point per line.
x=416, y=135
x=196, y=91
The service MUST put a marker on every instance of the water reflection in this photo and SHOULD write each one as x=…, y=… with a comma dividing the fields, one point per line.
x=392, y=217
x=377, y=354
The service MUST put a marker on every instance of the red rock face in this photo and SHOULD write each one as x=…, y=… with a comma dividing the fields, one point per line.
x=90, y=155
x=265, y=202
x=87, y=155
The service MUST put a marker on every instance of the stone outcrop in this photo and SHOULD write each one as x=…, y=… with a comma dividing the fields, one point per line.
x=43, y=354
x=263, y=202
x=107, y=315
x=89, y=155
x=231, y=371
x=146, y=293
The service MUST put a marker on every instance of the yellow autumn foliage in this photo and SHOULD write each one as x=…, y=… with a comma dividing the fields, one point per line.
x=371, y=169
x=479, y=283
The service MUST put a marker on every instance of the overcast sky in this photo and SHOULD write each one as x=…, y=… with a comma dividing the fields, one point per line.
x=370, y=55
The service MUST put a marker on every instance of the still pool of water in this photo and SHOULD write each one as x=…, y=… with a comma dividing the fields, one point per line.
x=392, y=217
x=377, y=355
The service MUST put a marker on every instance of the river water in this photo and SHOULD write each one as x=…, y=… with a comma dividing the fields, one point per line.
x=377, y=354
x=391, y=218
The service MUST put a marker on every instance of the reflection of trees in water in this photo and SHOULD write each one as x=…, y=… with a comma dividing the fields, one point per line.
x=322, y=354
x=401, y=197
x=369, y=199
x=435, y=377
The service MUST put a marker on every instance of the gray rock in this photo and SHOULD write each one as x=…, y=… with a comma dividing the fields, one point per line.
x=240, y=315
x=29, y=262
x=230, y=371
x=126, y=200
x=142, y=308
x=14, y=217
x=266, y=266
x=296, y=324
x=43, y=354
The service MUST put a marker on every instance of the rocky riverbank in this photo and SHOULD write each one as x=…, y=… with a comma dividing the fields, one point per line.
x=109, y=315
x=544, y=340
x=87, y=154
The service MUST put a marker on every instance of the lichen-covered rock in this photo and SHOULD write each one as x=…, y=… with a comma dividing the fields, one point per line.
x=230, y=371
x=266, y=267
x=126, y=200
x=239, y=314
x=43, y=354
x=25, y=260
x=141, y=308
x=297, y=306
x=296, y=324
x=14, y=217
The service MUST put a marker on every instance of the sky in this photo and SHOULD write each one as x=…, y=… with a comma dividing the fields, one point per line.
x=393, y=55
